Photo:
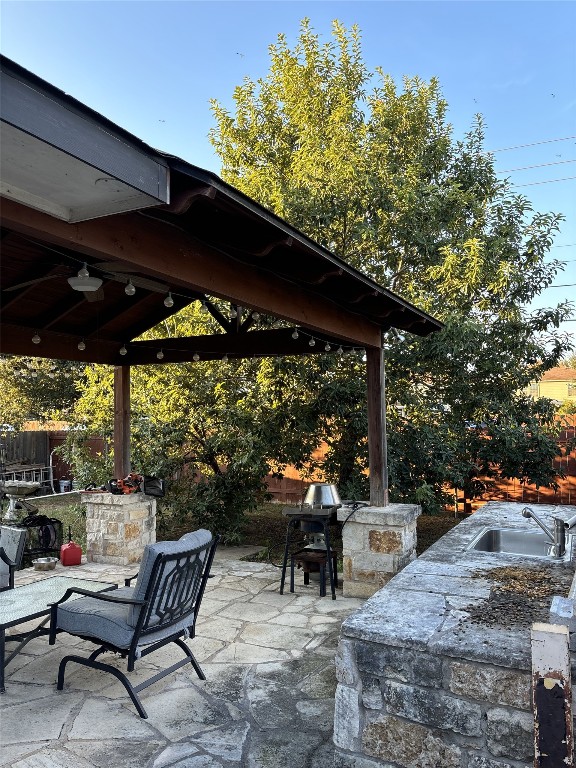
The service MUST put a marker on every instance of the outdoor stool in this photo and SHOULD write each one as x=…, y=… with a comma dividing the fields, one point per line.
x=313, y=561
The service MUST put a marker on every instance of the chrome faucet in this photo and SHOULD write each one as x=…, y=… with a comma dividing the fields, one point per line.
x=558, y=537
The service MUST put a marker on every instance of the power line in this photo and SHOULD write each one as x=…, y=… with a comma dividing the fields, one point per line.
x=533, y=144
x=547, y=181
x=541, y=165
x=566, y=285
x=564, y=245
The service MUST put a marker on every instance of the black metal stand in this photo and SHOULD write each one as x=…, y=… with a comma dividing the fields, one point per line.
x=322, y=521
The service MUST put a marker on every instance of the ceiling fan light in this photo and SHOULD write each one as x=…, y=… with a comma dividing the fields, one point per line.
x=85, y=284
x=84, y=271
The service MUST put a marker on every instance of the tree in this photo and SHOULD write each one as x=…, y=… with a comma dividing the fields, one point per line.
x=34, y=388
x=373, y=173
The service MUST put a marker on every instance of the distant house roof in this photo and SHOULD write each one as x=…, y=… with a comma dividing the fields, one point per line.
x=561, y=373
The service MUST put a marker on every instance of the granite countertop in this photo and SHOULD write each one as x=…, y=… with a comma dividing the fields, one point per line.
x=449, y=600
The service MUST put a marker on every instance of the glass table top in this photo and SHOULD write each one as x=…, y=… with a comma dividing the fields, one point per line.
x=31, y=600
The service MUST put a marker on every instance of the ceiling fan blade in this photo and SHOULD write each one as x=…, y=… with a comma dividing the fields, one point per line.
x=140, y=282
x=114, y=266
x=94, y=295
x=32, y=282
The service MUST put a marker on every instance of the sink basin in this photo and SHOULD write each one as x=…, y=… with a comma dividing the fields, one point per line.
x=512, y=541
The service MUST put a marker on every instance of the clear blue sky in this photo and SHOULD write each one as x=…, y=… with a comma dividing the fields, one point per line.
x=152, y=67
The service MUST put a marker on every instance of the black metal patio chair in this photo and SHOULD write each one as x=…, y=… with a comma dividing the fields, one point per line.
x=12, y=543
x=135, y=621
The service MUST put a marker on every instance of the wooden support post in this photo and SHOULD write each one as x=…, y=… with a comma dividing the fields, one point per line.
x=121, y=421
x=552, y=697
x=377, y=447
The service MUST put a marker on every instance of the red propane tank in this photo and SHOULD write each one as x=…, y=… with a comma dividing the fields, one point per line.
x=71, y=553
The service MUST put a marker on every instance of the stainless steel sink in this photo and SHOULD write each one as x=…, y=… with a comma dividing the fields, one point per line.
x=511, y=541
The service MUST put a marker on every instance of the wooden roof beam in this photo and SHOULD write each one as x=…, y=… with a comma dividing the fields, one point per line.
x=177, y=257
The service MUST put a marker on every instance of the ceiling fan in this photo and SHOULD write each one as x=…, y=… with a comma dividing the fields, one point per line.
x=90, y=285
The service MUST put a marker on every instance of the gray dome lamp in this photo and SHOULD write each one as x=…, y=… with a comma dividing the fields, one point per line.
x=84, y=281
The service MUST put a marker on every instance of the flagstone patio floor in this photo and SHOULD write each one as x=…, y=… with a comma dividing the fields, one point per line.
x=267, y=702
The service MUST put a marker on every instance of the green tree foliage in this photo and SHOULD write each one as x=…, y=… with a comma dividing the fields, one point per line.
x=34, y=388
x=372, y=171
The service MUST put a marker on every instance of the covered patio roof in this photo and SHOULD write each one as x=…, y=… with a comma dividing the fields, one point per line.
x=78, y=190
x=205, y=240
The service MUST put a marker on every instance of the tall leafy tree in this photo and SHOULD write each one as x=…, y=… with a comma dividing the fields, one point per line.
x=373, y=172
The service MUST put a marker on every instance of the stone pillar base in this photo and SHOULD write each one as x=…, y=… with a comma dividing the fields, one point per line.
x=377, y=543
x=118, y=527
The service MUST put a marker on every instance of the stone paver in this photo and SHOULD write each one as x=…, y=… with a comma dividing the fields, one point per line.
x=268, y=700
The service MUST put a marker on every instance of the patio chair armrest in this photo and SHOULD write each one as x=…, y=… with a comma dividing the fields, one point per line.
x=4, y=557
x=106, y=596
x=128, y=579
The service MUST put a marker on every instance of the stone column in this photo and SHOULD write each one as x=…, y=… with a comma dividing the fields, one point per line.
x=377, y=543
x=118, y=527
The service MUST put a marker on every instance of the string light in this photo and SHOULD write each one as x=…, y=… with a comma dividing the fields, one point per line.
x=233, y=313
x=225, y=358
x=295, y=333
x=312, y=342
x=130, y=290
x=160, y=355
x=36, y=339
x=327, y=348
x=169, y=301
x=256, y=316
x=340, y=350
x=276, y=324
x=123, y=350
x=34, y=373
x=195, y=357
x=82, y=345
x=204, y=308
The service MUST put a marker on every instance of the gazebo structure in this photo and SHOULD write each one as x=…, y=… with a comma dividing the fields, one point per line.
x=90, y=212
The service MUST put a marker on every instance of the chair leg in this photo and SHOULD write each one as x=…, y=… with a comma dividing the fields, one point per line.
x=104, y=668
x=188, y=652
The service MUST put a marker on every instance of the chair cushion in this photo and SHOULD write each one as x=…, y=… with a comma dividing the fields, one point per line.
x=187, y=542
x=108, y=622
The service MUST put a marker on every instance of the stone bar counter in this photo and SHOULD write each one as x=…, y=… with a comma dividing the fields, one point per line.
x=435, y=668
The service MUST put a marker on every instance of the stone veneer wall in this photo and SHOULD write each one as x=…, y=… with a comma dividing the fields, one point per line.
x=400, y=707
x=377, y=542
x=118, y=527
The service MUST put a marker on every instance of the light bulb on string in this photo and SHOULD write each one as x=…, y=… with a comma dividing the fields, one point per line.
x=204, y=308
x=327, y=348
x=82, y=345
x=34, y=373
x=36, y=339
x=340, y=350
x=123, y=351
x=169, y=301
x=295, y=333
x=276, y=324
x=256, y=316
x=312, y=343
x=233, y=313
x=160, y=355
x=130, y=290
x=225, y=358
x=195, y=357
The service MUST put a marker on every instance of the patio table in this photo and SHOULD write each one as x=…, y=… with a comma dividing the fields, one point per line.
x=32, y=601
